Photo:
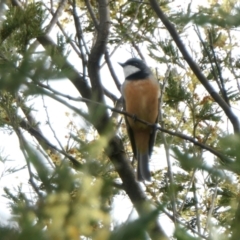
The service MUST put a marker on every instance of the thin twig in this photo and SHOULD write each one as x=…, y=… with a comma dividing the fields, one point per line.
x=231, y=64
x=64, y=33
x=167, y=149
x=44, y=141
x=113, y=74
x=110, y=95
x=183, y=224
x=50, y=125
x=92, y=14
x=80, y=39
x=22, y=143
x=210, y=212
x=222, y=88
x=56, y=15
x=31, y=175
x=188, y=189
x=208, y=54
x=196, y=207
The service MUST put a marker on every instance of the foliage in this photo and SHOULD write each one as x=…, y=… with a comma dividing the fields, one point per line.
x=76, y=181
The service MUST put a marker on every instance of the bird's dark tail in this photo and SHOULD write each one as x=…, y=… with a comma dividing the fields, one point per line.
x=143, y=172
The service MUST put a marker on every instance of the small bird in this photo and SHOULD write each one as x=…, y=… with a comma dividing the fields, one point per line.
x=141, y=93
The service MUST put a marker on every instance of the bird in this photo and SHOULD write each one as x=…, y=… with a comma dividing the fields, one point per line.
x=141, y=94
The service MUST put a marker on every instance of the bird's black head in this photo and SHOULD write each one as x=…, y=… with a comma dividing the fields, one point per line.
x=135, y=69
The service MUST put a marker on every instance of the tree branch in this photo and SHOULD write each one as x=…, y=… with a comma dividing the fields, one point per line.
x=167, y=150
x=171, y=29
x=95, y=56
x=64, y=33
x=113, y=74
x=219, y=71
x=44, y=143
x=91, y=12
x=80, y=38
x=78, y=81
x=56, y=15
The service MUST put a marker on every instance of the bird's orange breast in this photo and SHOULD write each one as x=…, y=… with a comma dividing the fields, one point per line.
x=141, y=99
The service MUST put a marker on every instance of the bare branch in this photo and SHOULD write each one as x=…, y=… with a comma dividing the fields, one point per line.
x=208, y=54
x=79, y=82
x=22, y=143
x=95, y=56
x=64, y=32
x=167, y=149
x=138, y=50
x=231, y=64
x=89, y=7
x=196, y=206
x=110, y=67
x=80, y=38
x=45, y=144
x=210, y=212
x=183, y=224
x=110, y=95
x=222, y=88
x=56, y=15
x=188, y=189
x=50, y=125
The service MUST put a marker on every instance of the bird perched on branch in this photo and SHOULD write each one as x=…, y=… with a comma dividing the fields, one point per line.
x=141, y=93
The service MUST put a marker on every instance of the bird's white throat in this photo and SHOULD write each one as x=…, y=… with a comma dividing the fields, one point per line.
x=129, y=70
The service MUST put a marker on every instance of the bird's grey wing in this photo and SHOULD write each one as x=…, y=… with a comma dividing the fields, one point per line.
x=153, y=135
x=130, y=133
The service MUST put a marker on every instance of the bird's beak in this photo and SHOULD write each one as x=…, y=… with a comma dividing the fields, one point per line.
x=121, y=64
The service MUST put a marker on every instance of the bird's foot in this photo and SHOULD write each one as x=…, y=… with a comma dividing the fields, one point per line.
x=156, y=127
x=134, y=117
